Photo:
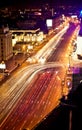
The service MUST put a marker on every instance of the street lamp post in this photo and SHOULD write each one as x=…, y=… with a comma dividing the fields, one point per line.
x=62, y=86
x=69, y=60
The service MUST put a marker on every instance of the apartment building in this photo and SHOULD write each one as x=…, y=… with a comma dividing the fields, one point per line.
x=6, y=49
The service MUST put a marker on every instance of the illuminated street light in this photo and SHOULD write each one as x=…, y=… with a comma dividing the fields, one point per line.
x=62, y=86
x=69, y=64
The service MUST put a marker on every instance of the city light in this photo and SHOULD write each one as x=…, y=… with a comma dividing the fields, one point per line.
x=49, y=22
x=2, y=65
x=37, y=64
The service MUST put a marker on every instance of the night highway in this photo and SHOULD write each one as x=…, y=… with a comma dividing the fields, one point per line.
x=38, y=99
x=36, y=89
x=61, y=54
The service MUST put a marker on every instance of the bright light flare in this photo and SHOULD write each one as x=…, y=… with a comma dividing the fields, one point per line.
x=49, y=22
x=42, y=60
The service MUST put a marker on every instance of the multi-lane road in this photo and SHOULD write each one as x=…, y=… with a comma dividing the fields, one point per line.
x=36, y=101
x=34, y=91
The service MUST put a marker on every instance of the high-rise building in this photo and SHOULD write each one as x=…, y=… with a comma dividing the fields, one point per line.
x=6, y=49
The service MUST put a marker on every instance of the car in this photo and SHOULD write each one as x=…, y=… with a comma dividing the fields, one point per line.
x=6, y=72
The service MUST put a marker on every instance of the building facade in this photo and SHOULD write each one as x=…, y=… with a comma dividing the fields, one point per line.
x=6, y=49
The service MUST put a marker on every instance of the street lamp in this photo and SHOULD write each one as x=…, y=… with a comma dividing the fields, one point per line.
x=62, y=86
x=69, y=60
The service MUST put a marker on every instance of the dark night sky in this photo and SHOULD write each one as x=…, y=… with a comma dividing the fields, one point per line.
x=39, y=2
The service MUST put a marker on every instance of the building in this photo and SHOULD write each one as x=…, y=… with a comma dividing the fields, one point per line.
x=27, y=36
x=6, y=50
x=78, y=44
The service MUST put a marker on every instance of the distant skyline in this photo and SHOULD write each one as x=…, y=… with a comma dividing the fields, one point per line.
x=39, y=2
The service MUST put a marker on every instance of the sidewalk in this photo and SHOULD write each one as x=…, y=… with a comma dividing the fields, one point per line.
x=12, y=64
x=15, y=61
x=1, y=76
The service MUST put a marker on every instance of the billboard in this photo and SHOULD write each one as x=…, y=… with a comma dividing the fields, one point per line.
x=2, y=66
x=79, y=45
x=49, y=22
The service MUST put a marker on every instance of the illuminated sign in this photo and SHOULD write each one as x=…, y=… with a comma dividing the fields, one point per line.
x=74, y=16
x=81, y=13
x=38, y=13
x=79, y=45
x=49, y=22
x=5, y=30
x=2, y=66
x=76, y=70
